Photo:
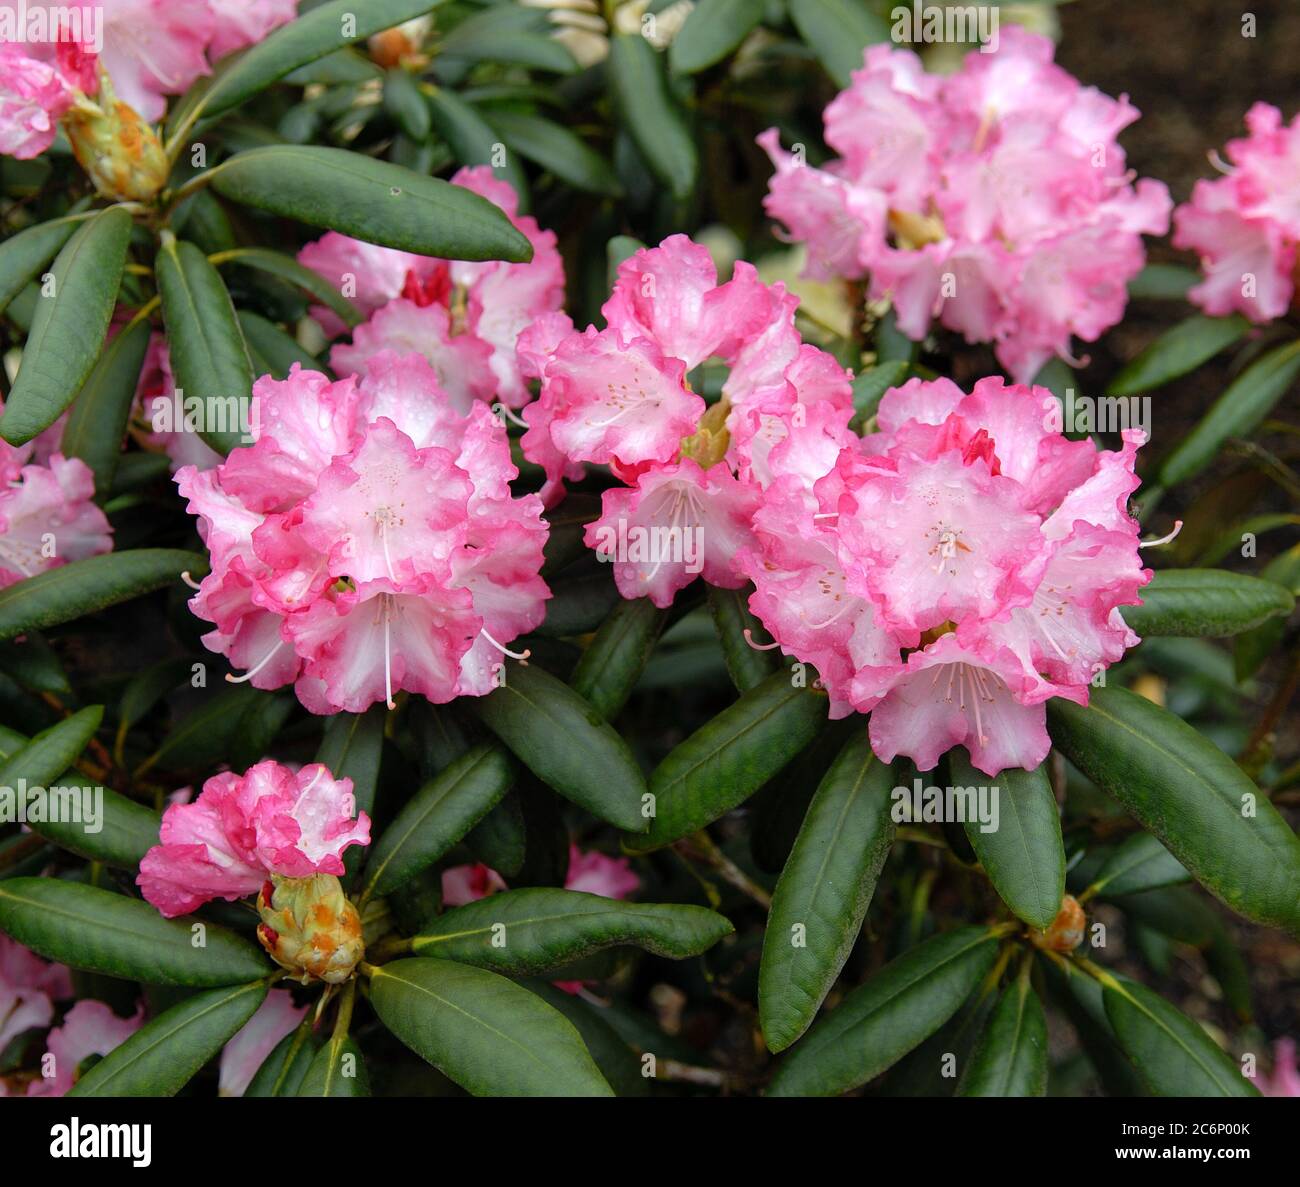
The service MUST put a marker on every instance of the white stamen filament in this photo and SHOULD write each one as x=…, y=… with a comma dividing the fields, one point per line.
x=185, y=577
x=1178, y=527
x=266, y=659
x=749, y=638
x=521, y=656
x=388, y=658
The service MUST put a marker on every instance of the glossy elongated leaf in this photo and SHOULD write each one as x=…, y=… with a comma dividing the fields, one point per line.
x=471, y=137
x=1173, y=1055
x=824, y=890
x=1140, y=863
x=1178, y=351
x=352, y=747
x=22, y=256
x=1191, y=795
x=649, y=113
x=557, y=150
x=313, y=35
x=1011, y=1056
x=506, y=33
x=272, y=350
x=617, y=655
x=838, y=32
x=52, y=751
x=566, y=743
x=205, y=344
x=83, y=587
x=1023, y=855
x=404, y=102
x=34, y=664
x=711, y=32
x=883, y=1019
x=337, y=1069
x=69, y=325
x=748, y=666
x=491, y=1036
x=618, y=1062
x=119, y=833
x=1206, y=602
x=97, y=420
x=282, y=1071
x=1081, y=999
x=1252, y=647
x=102, y=932
x=276, y=263
x=521, y=932
x=164, y=1054
x=729, y=758
x=438, y=816
x=371, y=200
x=1248, y=399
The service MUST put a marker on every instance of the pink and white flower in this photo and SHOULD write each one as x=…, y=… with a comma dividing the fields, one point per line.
x=89, y=1028
x=1245, y=225
x=995, y=202
x=465, y=317
x=244, y=828
x=694, y=473
x=368, y=541
x=29, y=987
x=48, y=516
x=954, y=570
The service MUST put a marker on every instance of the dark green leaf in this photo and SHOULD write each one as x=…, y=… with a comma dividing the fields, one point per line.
x=1011, y=1057
x=472, y=138
x=371, y=200
x=69, y=325
x=1178, y=351
x=491, y=1036
x=824, y=890
x=103, y=932
x=1171, y=1053
x=83, y=587
x=617, y=654
x=880, y=1021
x=711, y=32
x=650, y=114
x=22, y=256
x=1023, y=855
x=287, y=268
x=163, y=1055
x=729, y=758
x=1140, y=863
x=337, y=1069
x=283, y=1070
x=748, y=666
x=557, y=150
x=403, y=101
x=566, y=743
x=521, y=932
x=205, y=344
x=53, y=750
x=97, y=420
x=438, y=816
x=1236, y=413
x=1191, y=795
x=839, y=32
x=272, y=350
x=1206, y=602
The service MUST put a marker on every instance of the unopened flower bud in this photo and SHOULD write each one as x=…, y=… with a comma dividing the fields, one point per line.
x=1066, y=931
x=310, y=928
x=116, y=147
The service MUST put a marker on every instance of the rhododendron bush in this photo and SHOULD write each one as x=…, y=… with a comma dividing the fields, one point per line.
x=718, y=547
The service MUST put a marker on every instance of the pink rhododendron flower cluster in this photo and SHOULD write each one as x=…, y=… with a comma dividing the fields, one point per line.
x=244, y=828
x=150, y=49
x=368, y=541
x=1245, y=225
x=29, y=987
x=463, y=316
x=621, y=397
x=48, y=516
x=995, y=201
x=954, y=570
